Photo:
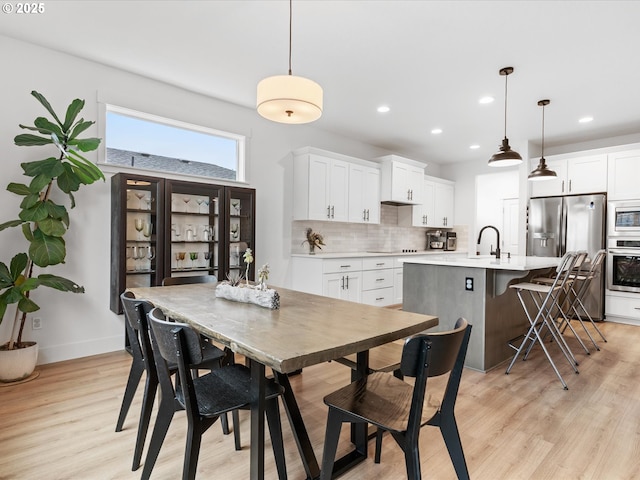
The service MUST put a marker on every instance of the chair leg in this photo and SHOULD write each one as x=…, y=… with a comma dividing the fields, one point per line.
x=412, y=460
x=451, y=437
x=150, y=388
x=332, y=435
x=135, y=374
x=163, y=420
x=275, y=430
x=192, y=451
x=224, y=421
x=235, y=416
x=379, y=436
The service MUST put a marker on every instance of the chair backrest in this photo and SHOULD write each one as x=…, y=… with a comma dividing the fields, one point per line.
x=135, y=314
x=597, y=260
x=165, y=336
x=189, y=280
x=445, y=347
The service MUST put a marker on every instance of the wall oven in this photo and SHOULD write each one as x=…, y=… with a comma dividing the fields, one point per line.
x=623, y=264
x=623, y=218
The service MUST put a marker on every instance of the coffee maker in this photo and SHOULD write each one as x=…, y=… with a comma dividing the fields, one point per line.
x=435, y=240
x=451, y=241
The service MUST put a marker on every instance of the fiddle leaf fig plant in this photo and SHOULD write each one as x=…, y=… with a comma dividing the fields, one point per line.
x=43, y=221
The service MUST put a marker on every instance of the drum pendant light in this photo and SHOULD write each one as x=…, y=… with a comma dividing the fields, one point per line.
x=505, y=157
x=289, y=98
x=542, y=172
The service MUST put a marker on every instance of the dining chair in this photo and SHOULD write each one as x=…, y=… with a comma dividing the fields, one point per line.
x=203, y=398
x=392, y=405
x=135, y=312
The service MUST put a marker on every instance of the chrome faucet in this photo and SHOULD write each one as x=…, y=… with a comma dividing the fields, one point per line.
x=497, y=251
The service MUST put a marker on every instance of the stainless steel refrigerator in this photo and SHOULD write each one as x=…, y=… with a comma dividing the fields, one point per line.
x=556, y=225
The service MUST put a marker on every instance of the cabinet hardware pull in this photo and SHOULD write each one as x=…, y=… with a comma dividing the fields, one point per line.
x=367, y=214
x=636, y=308
x=364, y=214
x=345, y=266
x=379, y=298
x=562, y=186
x=332, y=210
x=342, y=285
x=347, y=282
x=380, y=264
x=379, y=279
x=328, y=211
x=569, y=185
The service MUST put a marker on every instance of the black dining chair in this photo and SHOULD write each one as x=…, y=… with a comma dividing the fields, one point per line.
x=392, y=405
x=204, y=398
x=135, y=313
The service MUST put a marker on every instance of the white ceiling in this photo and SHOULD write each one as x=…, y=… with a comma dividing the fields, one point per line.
x=430, y=61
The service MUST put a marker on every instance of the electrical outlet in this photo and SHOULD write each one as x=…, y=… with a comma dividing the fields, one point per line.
x=36, y=323
x=468, y=284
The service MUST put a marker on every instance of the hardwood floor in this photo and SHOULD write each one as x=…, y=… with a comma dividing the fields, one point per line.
x=517, y=426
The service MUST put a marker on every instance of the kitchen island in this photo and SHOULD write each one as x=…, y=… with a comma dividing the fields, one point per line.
x=477, y=288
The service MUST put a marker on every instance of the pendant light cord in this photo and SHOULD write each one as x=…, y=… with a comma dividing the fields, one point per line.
x=506, y=77
x=542, y=152
x=290, y=27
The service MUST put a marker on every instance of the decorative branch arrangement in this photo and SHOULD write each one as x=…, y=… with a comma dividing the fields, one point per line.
x=314, y=240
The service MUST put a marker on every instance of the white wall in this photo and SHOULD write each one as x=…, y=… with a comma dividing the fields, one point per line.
x=79, y=325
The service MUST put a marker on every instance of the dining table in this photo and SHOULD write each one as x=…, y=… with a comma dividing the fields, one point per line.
x=305, y=330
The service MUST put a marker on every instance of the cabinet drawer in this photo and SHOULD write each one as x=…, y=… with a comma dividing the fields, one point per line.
x=622, y=307
x=334, y=265
x=380, y=297
x=376, y=263
x=374, y=279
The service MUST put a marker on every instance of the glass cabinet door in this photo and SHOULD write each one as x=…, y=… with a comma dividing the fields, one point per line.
x=194, y=229
x=137, y=205
x=240, y=204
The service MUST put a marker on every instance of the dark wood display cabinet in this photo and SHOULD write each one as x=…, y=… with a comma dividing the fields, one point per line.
x=167, y=228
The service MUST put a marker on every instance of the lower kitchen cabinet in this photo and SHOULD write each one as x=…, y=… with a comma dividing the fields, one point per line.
x=370, y=280
x=622, y=305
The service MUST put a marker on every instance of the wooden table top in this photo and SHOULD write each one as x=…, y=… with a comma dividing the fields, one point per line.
x=306, y=330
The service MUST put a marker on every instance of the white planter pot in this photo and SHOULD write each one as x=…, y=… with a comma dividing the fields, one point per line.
x=17, y=364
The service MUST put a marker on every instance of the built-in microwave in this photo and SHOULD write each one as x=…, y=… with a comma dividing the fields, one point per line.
x=623, y=218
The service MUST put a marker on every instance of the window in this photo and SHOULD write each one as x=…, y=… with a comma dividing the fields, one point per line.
x=147, y=142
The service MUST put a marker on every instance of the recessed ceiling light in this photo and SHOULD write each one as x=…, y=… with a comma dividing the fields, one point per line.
x=585, y=119
x=475, y=146
x=436, y=131
x=383, y=109
x=486, y=99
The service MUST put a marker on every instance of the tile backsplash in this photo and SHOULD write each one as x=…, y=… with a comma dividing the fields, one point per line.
x=388, y=236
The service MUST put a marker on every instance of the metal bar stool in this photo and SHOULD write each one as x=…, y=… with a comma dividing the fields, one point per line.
x=545, y=300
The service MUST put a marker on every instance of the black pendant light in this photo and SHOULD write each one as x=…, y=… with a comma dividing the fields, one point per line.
x=542, y=172
x=505, y=157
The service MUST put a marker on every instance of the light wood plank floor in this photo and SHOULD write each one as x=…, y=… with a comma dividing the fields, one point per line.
x=517, y=426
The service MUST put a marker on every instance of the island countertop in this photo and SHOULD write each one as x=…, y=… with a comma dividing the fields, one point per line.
x=520, y=263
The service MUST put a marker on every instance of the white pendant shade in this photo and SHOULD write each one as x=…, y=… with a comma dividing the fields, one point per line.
x=289, y=99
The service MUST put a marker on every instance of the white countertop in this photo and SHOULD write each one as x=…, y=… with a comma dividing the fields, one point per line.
x=320, y=256
x=485, y=261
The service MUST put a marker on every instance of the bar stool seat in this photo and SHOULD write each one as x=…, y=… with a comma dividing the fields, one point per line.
x=545, y=299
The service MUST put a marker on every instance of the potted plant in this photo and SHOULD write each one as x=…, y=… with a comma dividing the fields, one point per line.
x=43, y=222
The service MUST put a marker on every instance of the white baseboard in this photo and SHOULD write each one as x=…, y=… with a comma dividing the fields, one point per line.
x=59, y=353
x=626, y=321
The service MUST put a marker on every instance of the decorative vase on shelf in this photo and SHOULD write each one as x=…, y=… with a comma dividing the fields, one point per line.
x=312, y=249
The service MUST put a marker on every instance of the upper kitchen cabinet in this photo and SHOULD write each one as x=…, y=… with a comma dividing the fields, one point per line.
x=320, y=186
x=437, y=208
x=577, y=175
x=624, y=171
x=401, y=180
x=364, y=194
x=333, y=187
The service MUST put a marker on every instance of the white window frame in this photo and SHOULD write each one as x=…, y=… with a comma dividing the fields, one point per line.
x=239, y=139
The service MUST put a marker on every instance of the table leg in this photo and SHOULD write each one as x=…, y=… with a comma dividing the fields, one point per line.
x=297, y=425
x=257, y=420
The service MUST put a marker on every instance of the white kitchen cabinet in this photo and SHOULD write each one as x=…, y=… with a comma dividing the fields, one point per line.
x=364, y=194
x=577, y=175
x=437, y=207
x=626, y=306
x=623, y=175
x=345, y=286
x=377, y=281
x=401, y=180
x=320, y=187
